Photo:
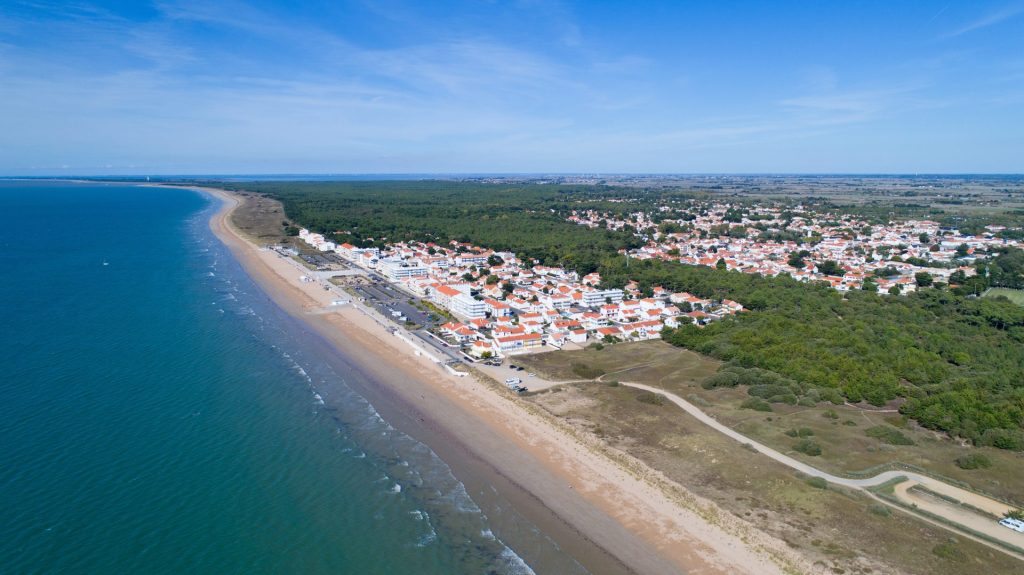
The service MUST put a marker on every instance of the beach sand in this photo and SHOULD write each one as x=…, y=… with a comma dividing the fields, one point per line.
x=611, y=514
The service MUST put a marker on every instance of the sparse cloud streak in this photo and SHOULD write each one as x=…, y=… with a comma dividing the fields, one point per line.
x=990, y=19
x=181, y=86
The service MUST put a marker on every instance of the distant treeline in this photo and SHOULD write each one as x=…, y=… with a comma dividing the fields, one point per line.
x=527, y=219
x=955, y=361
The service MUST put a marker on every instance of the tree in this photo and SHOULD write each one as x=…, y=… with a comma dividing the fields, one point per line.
x=830, y=268
x=961, y=251
x=895, y=290
x=720, y=264
x=869, y=285
x=923, y=279
x=486, y=355
x=494, y=260
x=796, y=259
x=923, y=238
x=492, y=279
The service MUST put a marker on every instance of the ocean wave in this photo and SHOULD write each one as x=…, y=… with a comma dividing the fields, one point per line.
x=514, y=563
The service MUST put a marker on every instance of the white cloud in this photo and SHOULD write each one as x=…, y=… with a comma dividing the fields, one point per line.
x=989, y=19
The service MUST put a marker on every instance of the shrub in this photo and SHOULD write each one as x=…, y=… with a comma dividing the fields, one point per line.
x=1003, y=439
x=721, y=379
x=948, y=551
x=613, y=383
x=802, y=432
x=973, y=461
x=587, y=371
x=817, y=482
x=756, y=404
x=880, y=510
x=808, y=447
x=888, y=435
x=697, y=400
x=787, y=398
x=651, y=398
x=830, y=414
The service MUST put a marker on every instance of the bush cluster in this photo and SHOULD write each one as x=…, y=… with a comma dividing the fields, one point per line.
x=889, y=435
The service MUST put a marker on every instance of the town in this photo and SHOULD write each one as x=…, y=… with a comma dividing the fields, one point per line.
x=499, y=305
x=844, y=251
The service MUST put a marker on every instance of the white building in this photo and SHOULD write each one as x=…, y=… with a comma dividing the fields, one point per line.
x=465, y=306
x=397, y=269
x=600, y=297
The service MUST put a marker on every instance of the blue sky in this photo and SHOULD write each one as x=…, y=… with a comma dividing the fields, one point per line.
x=193, y=86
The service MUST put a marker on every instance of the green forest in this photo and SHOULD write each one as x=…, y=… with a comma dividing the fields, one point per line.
x=955, y=361
x=526, y=219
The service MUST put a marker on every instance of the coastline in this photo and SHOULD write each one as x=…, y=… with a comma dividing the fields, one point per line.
x=613, y=519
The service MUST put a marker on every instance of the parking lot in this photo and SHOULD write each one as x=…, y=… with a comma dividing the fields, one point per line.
x=505, y=371
x=385, y=298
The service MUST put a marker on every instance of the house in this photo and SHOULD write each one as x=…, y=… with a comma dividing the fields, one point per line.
x=521, y=342
x=483, y=347
x=578, y=336
x=610, y=331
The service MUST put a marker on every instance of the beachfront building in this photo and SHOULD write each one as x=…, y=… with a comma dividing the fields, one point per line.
x=519, y=342
x=398, y=270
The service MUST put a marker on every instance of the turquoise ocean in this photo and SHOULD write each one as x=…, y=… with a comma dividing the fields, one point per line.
x=158, y=414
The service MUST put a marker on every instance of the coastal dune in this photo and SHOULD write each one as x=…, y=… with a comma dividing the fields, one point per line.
x=613, y=518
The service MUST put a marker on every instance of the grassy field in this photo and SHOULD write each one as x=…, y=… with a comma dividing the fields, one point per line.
x=841, y=431
x=1014, y=295
x=843, y=531
x=260, y=218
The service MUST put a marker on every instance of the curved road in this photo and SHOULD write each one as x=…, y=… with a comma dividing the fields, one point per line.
x=774, y=454
x=974, y=521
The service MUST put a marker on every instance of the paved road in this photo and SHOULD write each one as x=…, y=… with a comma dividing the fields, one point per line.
x=777, y=455
x=931, y=483
x=328, y=274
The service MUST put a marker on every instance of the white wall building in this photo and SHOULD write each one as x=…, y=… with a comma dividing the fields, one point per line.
x=465, y=306
x=601, y=297
x=397, y=269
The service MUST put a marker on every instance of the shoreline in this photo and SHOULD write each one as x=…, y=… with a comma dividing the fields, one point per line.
x=610, y=518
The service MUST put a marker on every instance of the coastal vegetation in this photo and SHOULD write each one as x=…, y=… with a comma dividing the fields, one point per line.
x=841, y=431
x=843, y=531
x=946, y=359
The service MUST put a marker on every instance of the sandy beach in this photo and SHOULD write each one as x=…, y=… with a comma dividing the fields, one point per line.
x=611, y=513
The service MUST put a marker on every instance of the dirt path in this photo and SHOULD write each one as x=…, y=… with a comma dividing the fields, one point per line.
x=948, y=511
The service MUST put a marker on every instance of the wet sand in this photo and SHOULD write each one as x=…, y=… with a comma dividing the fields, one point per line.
x=610, y=517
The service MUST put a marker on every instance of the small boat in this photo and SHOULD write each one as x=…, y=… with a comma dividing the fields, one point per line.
x=106, y=263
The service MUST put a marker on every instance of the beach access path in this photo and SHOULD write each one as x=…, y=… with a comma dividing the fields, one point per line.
x=972, y=521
